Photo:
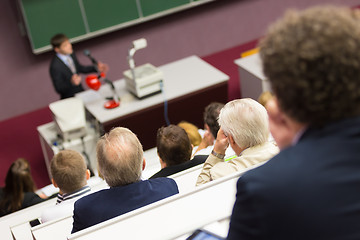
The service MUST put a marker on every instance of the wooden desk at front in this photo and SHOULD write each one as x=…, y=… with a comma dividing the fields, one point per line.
x=190, y=84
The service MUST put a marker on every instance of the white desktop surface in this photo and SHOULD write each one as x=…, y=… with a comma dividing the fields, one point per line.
x=22, y=216
x=171, y=217
x=18, y=222
x=180, y=78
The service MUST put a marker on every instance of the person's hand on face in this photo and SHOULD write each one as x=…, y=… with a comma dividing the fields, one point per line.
x=221, y=143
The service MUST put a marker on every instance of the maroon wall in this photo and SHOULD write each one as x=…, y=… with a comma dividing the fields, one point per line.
x=203, y=30
x=213, y=30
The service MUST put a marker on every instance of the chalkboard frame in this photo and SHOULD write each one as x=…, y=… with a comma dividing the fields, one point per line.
x=36, y=49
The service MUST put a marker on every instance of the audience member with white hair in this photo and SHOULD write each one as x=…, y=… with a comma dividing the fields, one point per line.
x=244, y=126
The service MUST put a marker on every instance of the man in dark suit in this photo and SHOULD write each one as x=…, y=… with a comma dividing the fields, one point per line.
x=310, y=190
x=174, y=150
x=120, y=162
x=65, y=68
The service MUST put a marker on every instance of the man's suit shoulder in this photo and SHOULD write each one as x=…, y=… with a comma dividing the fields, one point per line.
x=158, y=184
x=164, y=182
x=167, y=171
x=283, y=166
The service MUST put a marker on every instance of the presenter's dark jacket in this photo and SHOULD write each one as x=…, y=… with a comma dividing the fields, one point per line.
x=109, y=203
x=308, y=191
x=167, y=171
x=61, y=76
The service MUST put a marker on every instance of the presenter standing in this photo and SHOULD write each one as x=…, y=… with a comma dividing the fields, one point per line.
x=65, y=68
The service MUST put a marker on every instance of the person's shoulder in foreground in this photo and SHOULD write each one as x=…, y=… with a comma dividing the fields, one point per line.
x=310, y=189
x=305, y=191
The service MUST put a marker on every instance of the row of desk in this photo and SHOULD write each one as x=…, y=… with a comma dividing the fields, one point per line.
x=189, y=85
x=173, y=217
x=176, y=217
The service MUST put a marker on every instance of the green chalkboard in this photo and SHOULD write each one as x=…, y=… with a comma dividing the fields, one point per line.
x=155, y=6
x=105, y=13
x=82, y=19
x=45, y=18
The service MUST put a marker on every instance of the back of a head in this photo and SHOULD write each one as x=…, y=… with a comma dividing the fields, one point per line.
x=173, y=145
x=58, y=39
x=312, y=61
x=68, y=169
x=19, y=177
x=120, y=157
x=264, y=97
x=211, y=115
x=192, y=132
x=18, y=181
x=246, y=120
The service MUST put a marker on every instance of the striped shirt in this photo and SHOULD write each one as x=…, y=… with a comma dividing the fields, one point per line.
x=63, y=197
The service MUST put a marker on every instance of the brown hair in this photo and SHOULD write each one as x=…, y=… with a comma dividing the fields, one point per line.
x=312, y=61
x=18, y=181
x=192, y=132
x=173, y=145
x=68, y=169
x=264, y=97
x=58, y=39
x=211, y=115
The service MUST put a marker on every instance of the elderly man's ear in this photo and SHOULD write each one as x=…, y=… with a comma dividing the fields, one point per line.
x=237, y=149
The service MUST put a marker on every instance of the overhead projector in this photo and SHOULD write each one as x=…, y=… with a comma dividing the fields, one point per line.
x=144, y=80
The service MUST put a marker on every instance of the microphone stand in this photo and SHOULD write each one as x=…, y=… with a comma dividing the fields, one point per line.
x=115, y=97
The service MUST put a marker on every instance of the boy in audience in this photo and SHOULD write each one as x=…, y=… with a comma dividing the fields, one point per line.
x=120, y=162
x=244, y=125
x=211, y=126
x=174, y=150
x=310, y=190
x=70, y=175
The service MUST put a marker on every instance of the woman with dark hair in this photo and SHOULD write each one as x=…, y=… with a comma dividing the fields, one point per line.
x=18, y=192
